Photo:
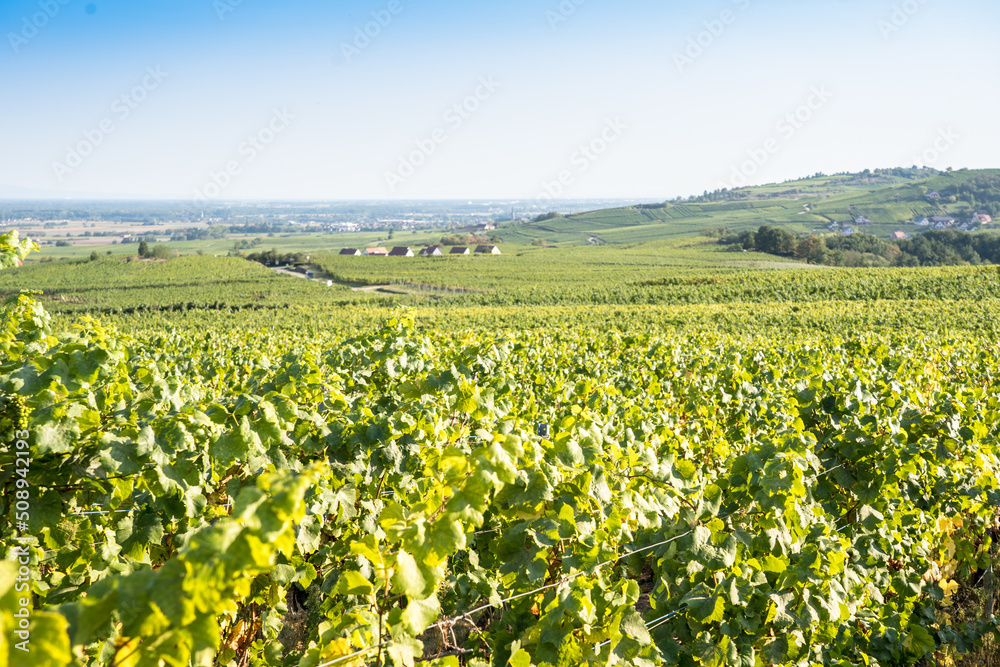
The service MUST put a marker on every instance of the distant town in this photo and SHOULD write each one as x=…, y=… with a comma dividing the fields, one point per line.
x=112, y=223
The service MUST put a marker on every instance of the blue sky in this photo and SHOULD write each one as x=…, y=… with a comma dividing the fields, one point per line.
x=221, y=99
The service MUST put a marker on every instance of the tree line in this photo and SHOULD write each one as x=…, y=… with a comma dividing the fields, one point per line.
x=274, y=258
x=982, y=193
x=934, y=248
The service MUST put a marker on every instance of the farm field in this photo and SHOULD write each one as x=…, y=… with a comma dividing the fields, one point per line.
x=285, y=243
x=653, y=454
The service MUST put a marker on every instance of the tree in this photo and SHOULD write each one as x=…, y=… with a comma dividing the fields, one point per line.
x=143, y=249
x=94, y=256
x=812, y=249
x=775, y=241
x=161, y=251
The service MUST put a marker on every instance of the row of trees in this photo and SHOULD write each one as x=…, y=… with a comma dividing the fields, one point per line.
x=934, y=248
x=468, y=239
x=273, y=258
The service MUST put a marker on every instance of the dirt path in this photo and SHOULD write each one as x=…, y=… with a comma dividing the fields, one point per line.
x=389, y=289
x=288, y=272
x=321, y=277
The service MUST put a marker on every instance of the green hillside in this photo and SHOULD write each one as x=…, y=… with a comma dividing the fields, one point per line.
x=889, y=199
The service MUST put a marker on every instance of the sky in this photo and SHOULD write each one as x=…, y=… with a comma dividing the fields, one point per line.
x=217, y=100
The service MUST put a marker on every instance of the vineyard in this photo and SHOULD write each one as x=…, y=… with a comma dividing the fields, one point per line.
x=114, y=286
x=810, y=480
x=650, y=274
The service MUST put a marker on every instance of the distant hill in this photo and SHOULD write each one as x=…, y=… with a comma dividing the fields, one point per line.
x=883, y=200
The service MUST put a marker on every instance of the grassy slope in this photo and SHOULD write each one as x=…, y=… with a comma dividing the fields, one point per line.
x=808, y=205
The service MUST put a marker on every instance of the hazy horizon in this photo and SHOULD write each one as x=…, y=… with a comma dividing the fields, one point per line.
x=229, y=100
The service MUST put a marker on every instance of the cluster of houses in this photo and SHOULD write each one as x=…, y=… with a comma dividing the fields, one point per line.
x=948, y=222
x=843, y=230
x=936, y=222
x=432, y=251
